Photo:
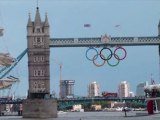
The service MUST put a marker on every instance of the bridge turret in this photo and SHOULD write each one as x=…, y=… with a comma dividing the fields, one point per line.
x=29, y=26
x=46, y=25
x=37, y=21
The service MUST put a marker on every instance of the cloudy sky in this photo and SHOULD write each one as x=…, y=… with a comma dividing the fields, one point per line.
x=67, y=18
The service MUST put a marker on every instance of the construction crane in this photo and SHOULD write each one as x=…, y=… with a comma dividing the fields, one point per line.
x=60, y=71
x=60, y=68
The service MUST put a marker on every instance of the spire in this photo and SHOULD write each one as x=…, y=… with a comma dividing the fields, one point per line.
x=37, y=18
x=46, y=24
x=29, y=24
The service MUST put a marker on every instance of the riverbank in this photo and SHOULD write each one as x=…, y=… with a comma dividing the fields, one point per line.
x=133, y=115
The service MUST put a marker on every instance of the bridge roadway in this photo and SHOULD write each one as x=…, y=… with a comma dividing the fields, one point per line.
x=68, y=102
x=103, y=98
x=104, y=41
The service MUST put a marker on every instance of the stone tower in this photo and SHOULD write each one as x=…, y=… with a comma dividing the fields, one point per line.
x=38, y=57
x=39, y=103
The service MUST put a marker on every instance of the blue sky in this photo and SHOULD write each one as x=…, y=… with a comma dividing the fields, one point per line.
x=66, y=18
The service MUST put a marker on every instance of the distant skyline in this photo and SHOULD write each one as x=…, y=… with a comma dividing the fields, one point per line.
x=67, y=19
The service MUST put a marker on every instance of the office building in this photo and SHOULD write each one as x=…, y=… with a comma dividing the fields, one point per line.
x=140, y=89
x=123, y=89
x=93, y=89
x=67, y=88
x=131, y=94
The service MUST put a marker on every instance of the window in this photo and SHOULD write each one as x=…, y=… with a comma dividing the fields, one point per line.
x=38, y=42
x=38, y=30
x=38, y=58
x=42, y=58
x=39, y=72
x=38, y=86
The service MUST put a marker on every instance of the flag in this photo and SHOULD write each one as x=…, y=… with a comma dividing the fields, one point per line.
x=1, y=32
x=87, y=25
x=117, y=25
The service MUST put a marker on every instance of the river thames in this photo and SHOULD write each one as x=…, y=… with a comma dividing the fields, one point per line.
x=95, y=116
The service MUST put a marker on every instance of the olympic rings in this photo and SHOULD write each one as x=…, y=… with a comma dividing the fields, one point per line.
x=125, y=53
x=102, y=56
x=113, y=65
x=99, y=65
x=105, y=57
x=94, y=57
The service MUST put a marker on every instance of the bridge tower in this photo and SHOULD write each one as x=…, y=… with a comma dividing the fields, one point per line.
x=38, y=57
x=39, y=103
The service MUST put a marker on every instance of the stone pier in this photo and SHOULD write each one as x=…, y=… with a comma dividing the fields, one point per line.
x=40, y=108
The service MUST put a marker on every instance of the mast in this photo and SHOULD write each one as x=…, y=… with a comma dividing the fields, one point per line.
x=60, y=68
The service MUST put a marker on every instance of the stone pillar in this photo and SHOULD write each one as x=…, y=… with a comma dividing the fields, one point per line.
x=40, y=108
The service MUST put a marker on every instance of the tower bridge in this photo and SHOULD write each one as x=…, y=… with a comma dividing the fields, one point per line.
x=39, y=104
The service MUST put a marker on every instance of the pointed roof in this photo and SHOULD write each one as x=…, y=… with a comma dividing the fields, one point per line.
x=29, y=21
x=46, y=24
x=37, y=18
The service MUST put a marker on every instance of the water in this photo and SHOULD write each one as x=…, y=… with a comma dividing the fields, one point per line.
x=94, y=116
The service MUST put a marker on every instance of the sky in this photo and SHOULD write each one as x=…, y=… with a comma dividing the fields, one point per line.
x=67, y=18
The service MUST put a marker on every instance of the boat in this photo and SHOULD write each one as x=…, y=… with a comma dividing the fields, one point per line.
x=1, y=31
x=7, y=83
x=6, y=59
x=6, y=64
x=61, y=112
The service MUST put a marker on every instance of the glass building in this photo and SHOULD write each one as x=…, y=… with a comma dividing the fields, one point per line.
x=140, y=89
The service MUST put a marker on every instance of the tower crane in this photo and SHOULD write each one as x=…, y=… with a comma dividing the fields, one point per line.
x=60, y=71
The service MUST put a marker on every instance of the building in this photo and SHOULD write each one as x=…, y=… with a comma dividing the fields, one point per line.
x=77, y=108
x=131, y=94
x=123, y=89
x=96, y=107
x=37, y=104
x=140, y=89
x=93, y=89
x=38, y=57
x=67, y=88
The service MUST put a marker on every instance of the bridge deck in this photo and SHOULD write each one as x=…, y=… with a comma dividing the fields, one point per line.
x=104, y=41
